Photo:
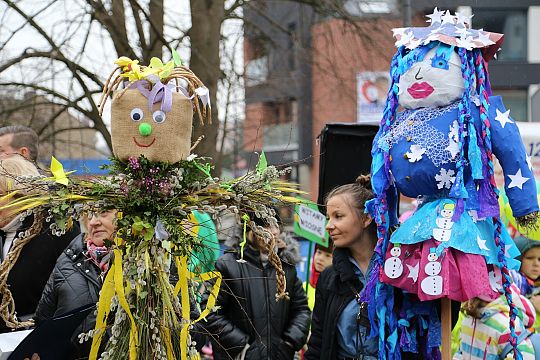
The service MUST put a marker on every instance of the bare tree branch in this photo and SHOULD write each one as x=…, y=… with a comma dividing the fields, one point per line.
x=73, y=66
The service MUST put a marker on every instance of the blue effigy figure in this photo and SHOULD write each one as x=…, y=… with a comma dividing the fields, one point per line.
x=439, y=149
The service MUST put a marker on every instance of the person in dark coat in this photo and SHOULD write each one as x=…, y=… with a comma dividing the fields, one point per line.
x=340, y=324
x=77, y=278
x=36, y=260
x=249, y=323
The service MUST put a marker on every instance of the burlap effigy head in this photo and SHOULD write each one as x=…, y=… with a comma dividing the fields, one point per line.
x=168, y=141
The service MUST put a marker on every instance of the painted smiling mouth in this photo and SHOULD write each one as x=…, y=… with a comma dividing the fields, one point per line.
x=420, y=90
x=142, y=145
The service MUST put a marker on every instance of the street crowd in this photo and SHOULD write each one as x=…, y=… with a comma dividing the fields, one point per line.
x=323, y=319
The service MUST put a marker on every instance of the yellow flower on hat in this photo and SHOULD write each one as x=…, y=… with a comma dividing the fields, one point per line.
x=157, y=67
x=130, y=68
x=153, y=72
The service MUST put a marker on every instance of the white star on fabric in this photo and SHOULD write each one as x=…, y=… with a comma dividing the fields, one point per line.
x=465, y=42
x=463, y=19
x=483, y=37
x=413, y=271
x=481, y=243
x=435, y=17
x=503, y=118
x=415, y=153
x=463, y=32
x=445, y=178
x=517, y=180
x=404, y=39
x=528, y=159
x=448, y=18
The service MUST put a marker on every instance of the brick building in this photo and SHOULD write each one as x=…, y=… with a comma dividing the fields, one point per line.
x=303, y=69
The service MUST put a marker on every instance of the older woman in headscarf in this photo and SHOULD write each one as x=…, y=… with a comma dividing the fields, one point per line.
x=78, y=276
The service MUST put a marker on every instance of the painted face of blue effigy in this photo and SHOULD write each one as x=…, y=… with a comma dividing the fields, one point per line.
x=431, y=77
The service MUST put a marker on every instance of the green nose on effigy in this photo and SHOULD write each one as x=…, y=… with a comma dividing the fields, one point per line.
x=145, y=129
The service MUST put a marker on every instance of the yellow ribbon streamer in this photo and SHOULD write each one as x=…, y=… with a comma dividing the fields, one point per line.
x=183, y=274
x=213, y=294
x=104, y=307
x=182, y=286
x=119, y=287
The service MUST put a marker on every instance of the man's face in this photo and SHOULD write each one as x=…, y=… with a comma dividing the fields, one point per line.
x=6, y=150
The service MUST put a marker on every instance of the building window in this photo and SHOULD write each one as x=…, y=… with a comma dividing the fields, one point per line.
x=256, y=71
x=281, y=133
x=369, y=7
x=280, y=137
x=516, y=102
x=511, y=23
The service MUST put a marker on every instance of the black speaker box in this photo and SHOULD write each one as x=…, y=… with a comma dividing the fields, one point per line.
x=345, y=154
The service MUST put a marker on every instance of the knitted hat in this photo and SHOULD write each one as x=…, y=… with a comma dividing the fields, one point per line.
x=525, y=244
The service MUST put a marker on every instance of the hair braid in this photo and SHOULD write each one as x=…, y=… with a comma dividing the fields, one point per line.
x=483, y=90
x=458, y=189
x=481, y=73
x=506, y=282
x=269, y=244
x=7, y=308
x=379, y=295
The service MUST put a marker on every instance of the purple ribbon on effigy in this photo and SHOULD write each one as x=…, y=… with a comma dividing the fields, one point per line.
x=159, y=92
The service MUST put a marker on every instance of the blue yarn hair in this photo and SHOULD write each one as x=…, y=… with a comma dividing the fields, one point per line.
x=380, y=296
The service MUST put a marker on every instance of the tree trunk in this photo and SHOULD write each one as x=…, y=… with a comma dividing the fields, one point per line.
x=155, y=46
x=205, y=33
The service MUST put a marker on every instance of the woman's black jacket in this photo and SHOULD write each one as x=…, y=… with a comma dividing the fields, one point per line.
x=74, y=282
x=248, y=312
x=336, y=287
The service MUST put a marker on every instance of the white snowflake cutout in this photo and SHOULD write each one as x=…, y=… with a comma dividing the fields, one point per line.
x=415, y=153
x=453, y=148
x=445, y=178
x=453, y=134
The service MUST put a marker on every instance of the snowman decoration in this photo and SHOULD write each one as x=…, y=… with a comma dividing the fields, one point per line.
x=393, y=266
x=444, y=223
x=433, y=282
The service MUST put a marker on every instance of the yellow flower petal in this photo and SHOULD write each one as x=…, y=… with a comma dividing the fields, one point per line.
x=123, y=61
x=156, y=62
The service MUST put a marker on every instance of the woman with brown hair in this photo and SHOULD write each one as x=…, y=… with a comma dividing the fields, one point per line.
x=340, y=323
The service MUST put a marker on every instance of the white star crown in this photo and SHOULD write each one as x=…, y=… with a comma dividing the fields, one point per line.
x=452, y=30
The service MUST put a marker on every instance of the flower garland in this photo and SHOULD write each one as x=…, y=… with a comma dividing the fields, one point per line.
x=155, y=228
